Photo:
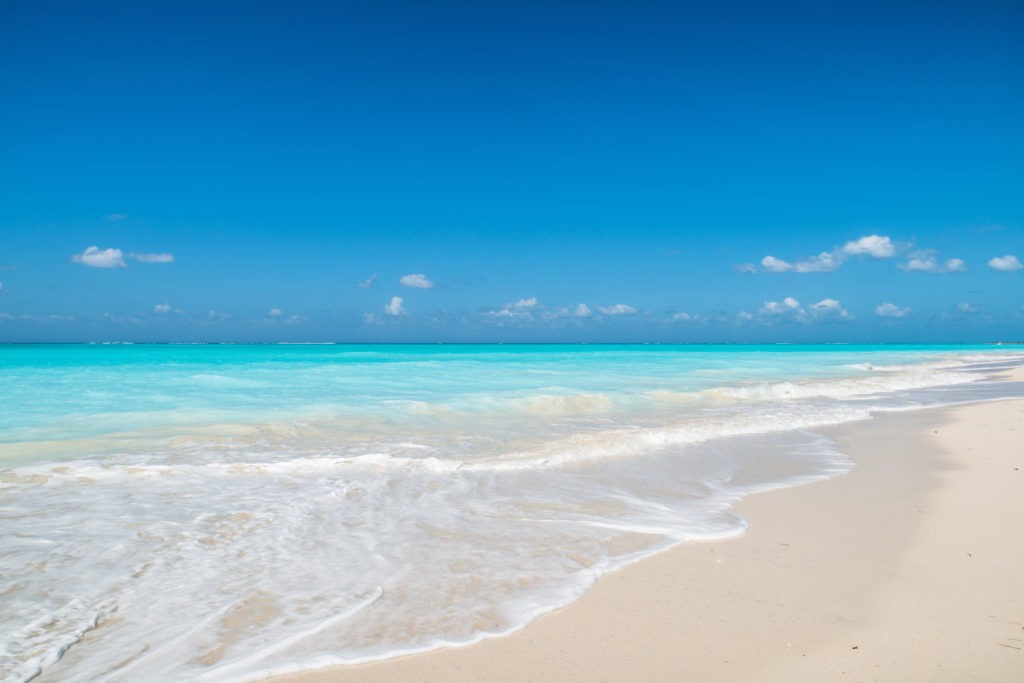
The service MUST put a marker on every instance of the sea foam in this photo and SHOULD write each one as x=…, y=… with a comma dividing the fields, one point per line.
x=233, y=512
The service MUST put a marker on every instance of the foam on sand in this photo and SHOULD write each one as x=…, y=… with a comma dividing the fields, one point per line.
x=364, y=508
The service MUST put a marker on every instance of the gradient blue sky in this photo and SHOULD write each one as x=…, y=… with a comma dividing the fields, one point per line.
x=555, y=171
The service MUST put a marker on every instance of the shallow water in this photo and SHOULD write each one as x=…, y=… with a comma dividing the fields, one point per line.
x=218, y=512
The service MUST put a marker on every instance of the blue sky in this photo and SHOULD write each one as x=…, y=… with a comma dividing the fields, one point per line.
x=587, y=171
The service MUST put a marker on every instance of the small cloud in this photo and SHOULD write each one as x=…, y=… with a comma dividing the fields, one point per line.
x=526, y=303
x=888, y=310
x=876, y=246
x=100, y=258
x=775, y=265
x=275, y=312
x=162, y=308
x=1005, y=264
x=791, y=310
x=416, y=280
x=745, y=268
x=686, y=318
x=824, y=262
x=787, y=305
x=114, y=217
x=152, y=258
x=394, y=307
x=925, y=261
x=830, y=308
x=509, y=314
x=922, y=265
x=521, y=310
x=617, y=309
x=967, y=308
x=367, y=282
x=582, y=311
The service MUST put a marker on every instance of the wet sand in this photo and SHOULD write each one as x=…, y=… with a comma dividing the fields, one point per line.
x=911, y=567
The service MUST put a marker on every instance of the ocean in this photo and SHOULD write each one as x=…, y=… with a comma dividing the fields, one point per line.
x=222, y=512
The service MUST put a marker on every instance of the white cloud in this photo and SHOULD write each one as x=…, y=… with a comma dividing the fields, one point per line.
x=394, y=307
x=100, y=258
x=582, y=311
x=824, y=262
x=775, y=265
x=830, y=308
x=116, y=216
x=417, y=280
x=509, y=314
x=162, y=308
x=526, y=303
x=745, y=268
x=275, y=312
x=367, y=282
x=1006, y=263
x=521, y=310
x=925, y=261
x=925, y=264
x=791, y=309
x=152, y=258
x=114, y=258
x=888, y=310
x=617, y=309
x=967, y=308
x=787, y=305
x=877, y=246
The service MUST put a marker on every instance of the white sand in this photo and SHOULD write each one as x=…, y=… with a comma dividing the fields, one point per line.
x=911, y=567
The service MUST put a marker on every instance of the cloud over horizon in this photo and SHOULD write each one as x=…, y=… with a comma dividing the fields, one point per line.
x=791, y=309
x=617, y=309
x=890, y=310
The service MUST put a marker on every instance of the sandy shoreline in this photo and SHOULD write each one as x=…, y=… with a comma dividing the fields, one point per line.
x=911, y=567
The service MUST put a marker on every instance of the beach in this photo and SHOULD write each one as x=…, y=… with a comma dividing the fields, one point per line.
x=909, y=567
x=233, y=513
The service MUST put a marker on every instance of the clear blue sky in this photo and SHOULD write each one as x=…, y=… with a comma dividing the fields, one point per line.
x=554, y=171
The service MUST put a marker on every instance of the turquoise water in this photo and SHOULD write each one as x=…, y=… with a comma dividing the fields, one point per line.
x=316, y=504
